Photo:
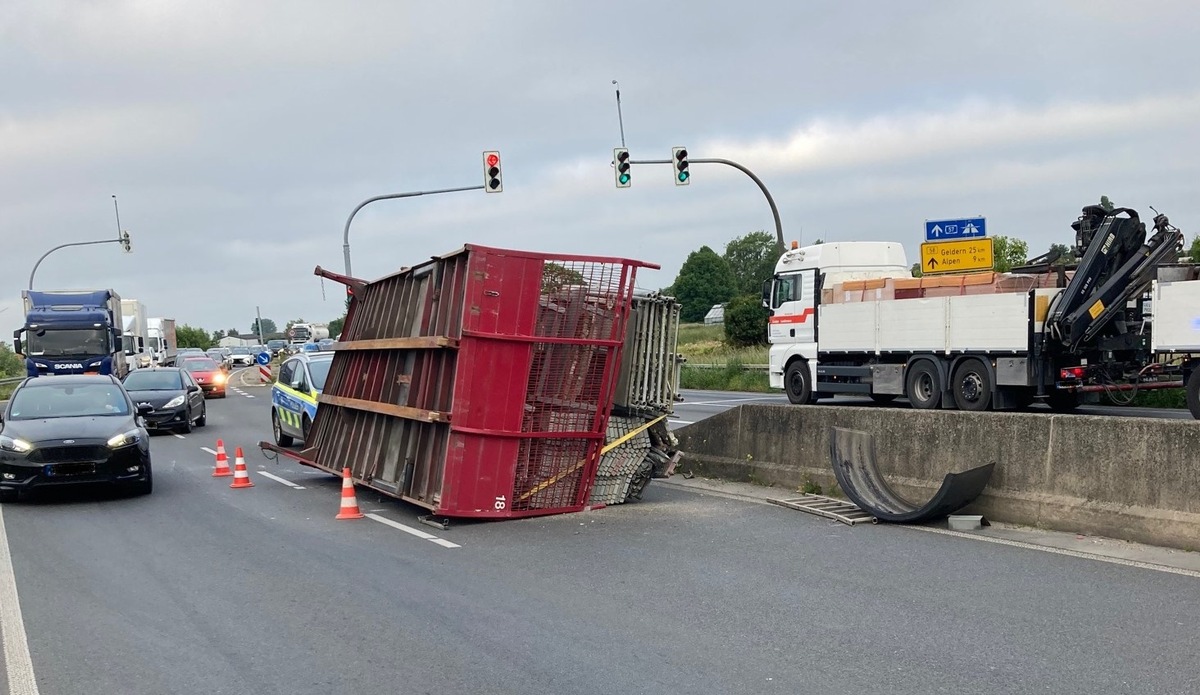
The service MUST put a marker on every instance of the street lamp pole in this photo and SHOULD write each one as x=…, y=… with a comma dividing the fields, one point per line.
x=762, y=186
x=390, y=196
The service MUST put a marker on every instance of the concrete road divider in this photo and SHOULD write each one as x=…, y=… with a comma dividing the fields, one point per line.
x=1136, y=479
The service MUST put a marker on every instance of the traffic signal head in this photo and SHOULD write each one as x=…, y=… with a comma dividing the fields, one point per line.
x=680, y=162
x=622, y=169
x=125, y=243
x=493, y=182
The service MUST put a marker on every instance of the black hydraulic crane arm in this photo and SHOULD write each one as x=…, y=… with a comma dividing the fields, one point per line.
x=1118, y=264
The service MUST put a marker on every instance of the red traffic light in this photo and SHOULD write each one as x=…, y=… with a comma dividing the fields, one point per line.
x=493, y=160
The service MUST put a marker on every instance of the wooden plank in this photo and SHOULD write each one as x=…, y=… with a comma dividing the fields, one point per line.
x=386, y=408
x=417, y=343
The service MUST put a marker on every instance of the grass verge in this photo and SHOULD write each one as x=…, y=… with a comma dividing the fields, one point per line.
x=730, y=378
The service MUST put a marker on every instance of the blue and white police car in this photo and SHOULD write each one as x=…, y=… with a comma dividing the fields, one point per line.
x=294, y=395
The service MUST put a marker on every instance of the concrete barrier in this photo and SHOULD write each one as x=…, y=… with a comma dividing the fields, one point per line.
x=1135, y=479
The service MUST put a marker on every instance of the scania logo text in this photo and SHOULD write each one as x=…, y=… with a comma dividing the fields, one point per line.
x=69, y=365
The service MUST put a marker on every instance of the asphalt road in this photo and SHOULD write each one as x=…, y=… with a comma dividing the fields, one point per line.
x=697, y=405
x=200, y=588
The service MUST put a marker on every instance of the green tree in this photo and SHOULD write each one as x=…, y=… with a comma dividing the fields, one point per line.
x=916, y=270
x=335, y=326
x=751, y=259
x=1066, y=255
x=1194, y=250
x=703, y=281
x=556, y=276
x=745, y=321
x=10, y=364
x=1008, y=253
x=189, y=336
x=268, y=327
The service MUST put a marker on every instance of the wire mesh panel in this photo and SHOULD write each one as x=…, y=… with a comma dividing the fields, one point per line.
x=478, y=383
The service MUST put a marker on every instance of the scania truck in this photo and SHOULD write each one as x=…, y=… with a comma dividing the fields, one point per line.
x=71, y=332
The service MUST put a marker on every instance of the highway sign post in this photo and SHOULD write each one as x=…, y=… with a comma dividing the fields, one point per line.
x=957, y=256
x=951, y=230
x=264, y=366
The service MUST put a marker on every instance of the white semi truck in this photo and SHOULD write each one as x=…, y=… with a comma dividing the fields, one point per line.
x=849, y=318
x=135, y=333
x=161, y=341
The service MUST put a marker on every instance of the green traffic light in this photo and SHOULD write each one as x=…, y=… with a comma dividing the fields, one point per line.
x=683, y=176
x=624, y=178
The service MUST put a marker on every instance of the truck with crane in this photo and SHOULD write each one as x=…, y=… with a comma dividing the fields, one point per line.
x=849, y=318
x=71, y=332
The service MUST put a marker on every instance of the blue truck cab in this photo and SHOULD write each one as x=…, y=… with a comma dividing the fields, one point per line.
x=71, y=332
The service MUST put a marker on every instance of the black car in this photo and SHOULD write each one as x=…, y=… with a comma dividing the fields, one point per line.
x=66, y=430
x=177, y=399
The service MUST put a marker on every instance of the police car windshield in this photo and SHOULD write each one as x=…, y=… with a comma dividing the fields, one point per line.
x=319, y=370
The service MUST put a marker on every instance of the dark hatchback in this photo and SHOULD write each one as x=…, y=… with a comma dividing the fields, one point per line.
x=177, y=399
x=70, y=430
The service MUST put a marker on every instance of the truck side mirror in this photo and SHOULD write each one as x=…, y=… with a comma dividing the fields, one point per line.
x=766, y=293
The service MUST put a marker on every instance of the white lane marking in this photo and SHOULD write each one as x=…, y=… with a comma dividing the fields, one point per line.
x=416, y=532
x=247, y=395
x=178, y=436
x=204, y=448
x=1064, y=551
x=682, y=422
x=17, y=663
x=281, y=480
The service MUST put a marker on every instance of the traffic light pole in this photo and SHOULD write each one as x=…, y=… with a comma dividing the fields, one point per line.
x=63, y=246
x=744, y=170
x=390, y=196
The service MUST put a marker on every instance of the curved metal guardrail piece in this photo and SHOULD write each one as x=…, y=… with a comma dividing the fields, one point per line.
x=852, y=453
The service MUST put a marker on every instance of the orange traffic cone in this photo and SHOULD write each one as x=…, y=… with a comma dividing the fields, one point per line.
x=222, y=468
x=349, y=508
x=241, y=478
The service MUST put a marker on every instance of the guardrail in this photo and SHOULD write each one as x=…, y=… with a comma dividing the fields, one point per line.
x=11, y=380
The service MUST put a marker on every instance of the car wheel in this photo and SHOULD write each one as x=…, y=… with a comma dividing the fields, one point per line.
x=221, y=395
x=305, y=424
x=280, y=438
x=203, y=419
x=144, y=487
x=186, y=427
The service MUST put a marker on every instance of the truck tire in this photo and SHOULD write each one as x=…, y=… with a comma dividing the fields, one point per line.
x=972, y=386
x=923, y=385
x=1193, y=393
x=797, y=382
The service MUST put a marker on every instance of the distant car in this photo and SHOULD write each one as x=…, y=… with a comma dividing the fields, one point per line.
x=188, y=351
x=207, y=373
x=294, y=395
x=177, y=399
x=221, y=357
x=325, y=344
x=68, y=430
x=241, y=357
x=275, y=346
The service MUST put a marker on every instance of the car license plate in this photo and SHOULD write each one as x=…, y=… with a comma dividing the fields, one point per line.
x=61, y=470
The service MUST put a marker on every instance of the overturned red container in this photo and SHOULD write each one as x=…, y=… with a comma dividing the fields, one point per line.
x=479, y=383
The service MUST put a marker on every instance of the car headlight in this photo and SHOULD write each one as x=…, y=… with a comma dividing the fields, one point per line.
x=13, y=444
x=218, y=378
x=174, y=402
x=125, y=439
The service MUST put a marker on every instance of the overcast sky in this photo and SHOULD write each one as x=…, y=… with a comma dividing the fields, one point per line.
x=238, y=136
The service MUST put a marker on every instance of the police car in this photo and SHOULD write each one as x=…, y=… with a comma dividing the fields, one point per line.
x=294, y=395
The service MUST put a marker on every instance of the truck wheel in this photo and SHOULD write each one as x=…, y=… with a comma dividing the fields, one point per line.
x=280, y=438
x=1193, y=393
x=923, y=386
x=972, y=386
x=797, y=382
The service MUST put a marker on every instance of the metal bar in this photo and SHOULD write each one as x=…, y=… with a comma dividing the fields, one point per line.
x=541, y=339
x=385, y=408
x=1130, y=387
x=413, y=343
x=63, y=246
x=762, y=186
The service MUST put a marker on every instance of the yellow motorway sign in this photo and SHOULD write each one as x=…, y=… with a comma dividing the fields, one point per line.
x=956, y=256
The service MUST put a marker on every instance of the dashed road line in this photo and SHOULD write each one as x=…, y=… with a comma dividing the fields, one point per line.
x=178, y=436
x=681, y=422
x=281, y=480
x=18, y=665
x=204, y=448
x=410, y=530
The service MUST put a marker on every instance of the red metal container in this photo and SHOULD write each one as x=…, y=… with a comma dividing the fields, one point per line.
x=477, y=384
